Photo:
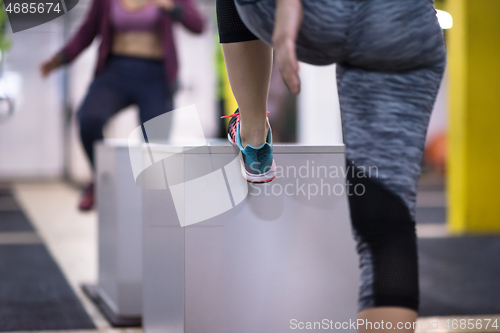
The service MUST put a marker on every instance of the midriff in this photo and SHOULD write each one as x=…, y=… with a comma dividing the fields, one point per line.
x=142, y=44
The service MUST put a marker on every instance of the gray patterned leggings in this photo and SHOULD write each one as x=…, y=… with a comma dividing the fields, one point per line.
x=390, y=57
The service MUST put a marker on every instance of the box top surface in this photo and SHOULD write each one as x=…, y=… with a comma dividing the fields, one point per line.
x=222, y=146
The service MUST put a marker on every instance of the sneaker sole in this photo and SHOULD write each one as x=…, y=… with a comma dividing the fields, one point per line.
x=260, y=178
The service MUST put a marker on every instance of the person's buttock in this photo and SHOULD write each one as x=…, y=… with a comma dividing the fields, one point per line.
x=395, y=35
x=373, y=34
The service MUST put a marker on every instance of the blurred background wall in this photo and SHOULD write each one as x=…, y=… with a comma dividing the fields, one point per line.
x=41, y=140
x=31, y=141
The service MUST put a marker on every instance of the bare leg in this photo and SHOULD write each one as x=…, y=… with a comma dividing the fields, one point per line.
x=394, y=315
x=249, y=70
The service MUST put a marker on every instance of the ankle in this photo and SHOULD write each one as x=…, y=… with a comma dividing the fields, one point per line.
x=254, y=138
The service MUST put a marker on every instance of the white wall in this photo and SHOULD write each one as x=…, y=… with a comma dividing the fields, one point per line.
x=198, y=74
x=318, y=111
x=31, y=140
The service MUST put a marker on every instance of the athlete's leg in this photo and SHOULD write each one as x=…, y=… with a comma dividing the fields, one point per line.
x=152, y=95
x=104, y=98
x=387, y=88
x=395, y=317
x=248, y=62
x=385, y=117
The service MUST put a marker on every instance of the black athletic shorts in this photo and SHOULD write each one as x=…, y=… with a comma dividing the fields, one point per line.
x=231, y=27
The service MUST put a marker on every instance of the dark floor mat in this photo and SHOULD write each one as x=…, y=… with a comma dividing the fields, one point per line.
x=8, y=203
x=5, y=192
x=460, y=276
x=34, y=295
x=431, y=214
x=14, y=221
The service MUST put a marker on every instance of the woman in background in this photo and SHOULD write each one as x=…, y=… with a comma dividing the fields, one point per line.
x=137, y=63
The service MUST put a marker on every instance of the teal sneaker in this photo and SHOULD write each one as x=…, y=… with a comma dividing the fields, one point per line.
x=257, y=165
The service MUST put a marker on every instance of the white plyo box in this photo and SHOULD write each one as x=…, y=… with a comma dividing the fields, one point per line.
x=119, y=209
x=284, y=255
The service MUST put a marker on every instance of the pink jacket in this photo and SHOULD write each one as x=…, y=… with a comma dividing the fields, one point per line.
x=97, y=22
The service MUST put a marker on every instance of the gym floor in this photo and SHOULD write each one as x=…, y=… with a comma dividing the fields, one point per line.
x=71, y=238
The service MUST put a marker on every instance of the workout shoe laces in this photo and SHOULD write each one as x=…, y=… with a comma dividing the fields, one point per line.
x=231, y=128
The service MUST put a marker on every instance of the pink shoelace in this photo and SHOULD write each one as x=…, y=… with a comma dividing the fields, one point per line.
x=232, y=130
